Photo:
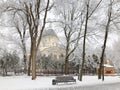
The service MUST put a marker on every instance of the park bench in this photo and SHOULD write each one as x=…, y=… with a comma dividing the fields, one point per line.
x=63, y=79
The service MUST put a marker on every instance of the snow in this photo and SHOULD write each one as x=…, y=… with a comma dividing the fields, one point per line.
x=45, y=83
x=107, y=65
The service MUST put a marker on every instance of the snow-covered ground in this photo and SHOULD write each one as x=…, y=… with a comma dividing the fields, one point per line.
x=45, y=83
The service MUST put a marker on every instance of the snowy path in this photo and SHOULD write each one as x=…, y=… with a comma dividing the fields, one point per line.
x=112, y=86
x=45, y=83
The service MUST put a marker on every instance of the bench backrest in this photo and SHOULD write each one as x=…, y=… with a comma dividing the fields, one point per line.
x=64, y=78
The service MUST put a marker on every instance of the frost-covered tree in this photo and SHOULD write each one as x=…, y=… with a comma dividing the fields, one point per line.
x=70, y=20
x=9, y=62
x=35, y=13
x=18, y=24
x=111, y=15
x=90, y=8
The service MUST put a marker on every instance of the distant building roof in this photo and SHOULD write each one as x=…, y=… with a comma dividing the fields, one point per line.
x=107, y=65
x=49, y=32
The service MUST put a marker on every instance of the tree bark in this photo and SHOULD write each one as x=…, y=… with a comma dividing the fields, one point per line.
x=29, y=65
x=67, y=58
x=66, y=65
x=101, y=67
x=34, y=51
x=24, y=57
x=84, y=44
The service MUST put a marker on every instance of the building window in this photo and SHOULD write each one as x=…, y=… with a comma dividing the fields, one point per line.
x=55, y=56
x=54, y=44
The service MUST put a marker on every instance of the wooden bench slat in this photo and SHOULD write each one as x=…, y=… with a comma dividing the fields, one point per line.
x=63, y=79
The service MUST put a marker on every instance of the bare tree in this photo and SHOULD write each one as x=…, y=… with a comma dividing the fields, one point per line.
x=16, y=21
x=70, y=13
x=19, y=23
x=88, y=14
x=107, y=28
x=9, y=62
x=33, y=20
x=35, y=13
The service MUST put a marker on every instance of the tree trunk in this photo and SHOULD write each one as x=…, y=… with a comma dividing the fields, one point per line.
x=84, y=44
x=66, y=66
x=25, y=64
x=34, y=50
x=5, y=71
x=30, y=60
x=101, y=67
x=102, y=61
x=29, y=65
x=67, y=58
x=99, y=73
x=24, y=57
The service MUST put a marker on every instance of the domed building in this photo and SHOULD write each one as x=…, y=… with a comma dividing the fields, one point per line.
x=50, y=46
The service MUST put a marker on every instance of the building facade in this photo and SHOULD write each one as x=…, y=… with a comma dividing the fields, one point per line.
x=108, y=68
x=50, y=46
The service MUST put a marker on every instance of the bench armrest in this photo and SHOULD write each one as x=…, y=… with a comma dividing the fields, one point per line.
x=54, y=82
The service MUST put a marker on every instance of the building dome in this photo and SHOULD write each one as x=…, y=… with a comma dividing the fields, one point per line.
x=49, y=32
x=49, y=45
